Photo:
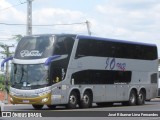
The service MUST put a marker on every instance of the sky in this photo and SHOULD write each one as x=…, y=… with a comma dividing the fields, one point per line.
x=133, y=20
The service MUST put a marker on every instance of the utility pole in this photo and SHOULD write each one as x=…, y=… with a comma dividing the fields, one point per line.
x=88, y=27
x=29, y=17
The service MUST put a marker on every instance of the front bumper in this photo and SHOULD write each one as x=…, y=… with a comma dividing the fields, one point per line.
x=41, y=100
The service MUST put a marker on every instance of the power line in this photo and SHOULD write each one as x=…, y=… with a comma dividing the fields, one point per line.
x=12, y=24
x=50, y=25
x=12, y=6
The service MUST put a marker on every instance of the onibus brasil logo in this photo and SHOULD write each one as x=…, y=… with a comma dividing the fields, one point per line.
x=27, y=53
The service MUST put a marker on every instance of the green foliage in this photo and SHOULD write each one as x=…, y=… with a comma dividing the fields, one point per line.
x=2, y=87
x=17, y=37
x=1, y=79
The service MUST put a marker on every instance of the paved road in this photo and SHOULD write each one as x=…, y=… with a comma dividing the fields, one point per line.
x=154, y=105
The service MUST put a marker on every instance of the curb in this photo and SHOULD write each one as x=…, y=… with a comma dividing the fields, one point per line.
x=155, y=99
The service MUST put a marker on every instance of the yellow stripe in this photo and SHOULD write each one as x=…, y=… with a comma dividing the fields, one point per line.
x=27, y=100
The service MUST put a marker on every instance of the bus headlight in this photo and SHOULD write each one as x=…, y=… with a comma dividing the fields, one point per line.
x=44, y=100
x=11, y=99
x=12, y=93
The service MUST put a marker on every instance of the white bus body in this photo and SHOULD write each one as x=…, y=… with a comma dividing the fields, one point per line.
x=159, y=82
x=80, y=70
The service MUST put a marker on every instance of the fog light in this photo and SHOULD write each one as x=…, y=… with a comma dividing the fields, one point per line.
x=44, y=100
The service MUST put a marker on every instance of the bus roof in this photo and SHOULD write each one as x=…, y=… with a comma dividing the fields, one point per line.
x=114, y=40
x=97, y=38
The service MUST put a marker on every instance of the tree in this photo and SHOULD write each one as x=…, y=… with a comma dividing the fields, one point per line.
x=17, y=37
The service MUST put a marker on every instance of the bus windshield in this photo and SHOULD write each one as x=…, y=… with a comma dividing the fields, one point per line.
x=29, y=76
x=35, y=47
x=38, y=47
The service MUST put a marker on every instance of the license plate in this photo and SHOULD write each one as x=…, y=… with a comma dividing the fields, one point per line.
x=25, y=101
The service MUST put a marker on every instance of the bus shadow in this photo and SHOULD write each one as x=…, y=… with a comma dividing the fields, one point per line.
x=63, y=108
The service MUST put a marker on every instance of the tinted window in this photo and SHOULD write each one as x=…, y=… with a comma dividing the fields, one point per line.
x=154, y=78
x=91, y=47
x=101, y=77
x=63, y=45
x=58, y=68
x=35, y=47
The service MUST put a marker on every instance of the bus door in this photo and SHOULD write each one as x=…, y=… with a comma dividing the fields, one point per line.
x=122, y=80
x=111, y=88
x=55, y=79
x=95, y=78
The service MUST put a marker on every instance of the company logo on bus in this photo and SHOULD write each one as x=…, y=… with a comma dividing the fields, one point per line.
x=111, y=63
x=26, y=53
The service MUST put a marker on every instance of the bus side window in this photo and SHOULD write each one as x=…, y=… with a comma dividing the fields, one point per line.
x=64, y=45
x=81, y=49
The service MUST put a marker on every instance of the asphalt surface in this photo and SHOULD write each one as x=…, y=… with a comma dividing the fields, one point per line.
x=153, y=106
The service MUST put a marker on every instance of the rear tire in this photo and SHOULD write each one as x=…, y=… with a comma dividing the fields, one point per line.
x=37, y=107
x=141, y=98
x=86, y=101
x=132, y=99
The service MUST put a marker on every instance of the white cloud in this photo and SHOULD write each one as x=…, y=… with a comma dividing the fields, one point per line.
x=52, y=15
x=8, y=13
x=60, y=16
x=135, y=19
x=11, y=15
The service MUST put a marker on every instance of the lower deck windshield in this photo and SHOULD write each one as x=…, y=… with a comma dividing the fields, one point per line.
x=29, y=76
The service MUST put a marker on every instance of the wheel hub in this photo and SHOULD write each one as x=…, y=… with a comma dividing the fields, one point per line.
x=86, y=99
x=72, y=99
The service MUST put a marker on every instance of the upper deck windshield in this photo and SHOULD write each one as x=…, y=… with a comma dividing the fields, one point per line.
x=35, y=47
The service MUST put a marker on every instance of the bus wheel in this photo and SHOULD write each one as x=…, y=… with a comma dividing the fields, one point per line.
x=51, y=106
x=73, y=100
x=141, y=98
x=86, y=101
x=132, y=98
x=38, y=107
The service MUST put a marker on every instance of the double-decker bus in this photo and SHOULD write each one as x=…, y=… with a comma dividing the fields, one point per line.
x=77, y=70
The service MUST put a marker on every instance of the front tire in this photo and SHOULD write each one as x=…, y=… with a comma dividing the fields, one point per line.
x=86, y=101
x=73, y=100
x=37, y=107
x=51, y=106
